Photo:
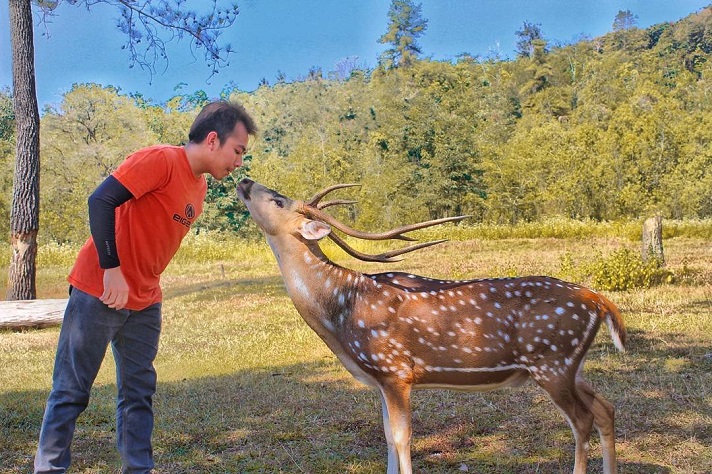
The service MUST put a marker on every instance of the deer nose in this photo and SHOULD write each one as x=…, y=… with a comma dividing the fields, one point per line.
x=243, y=188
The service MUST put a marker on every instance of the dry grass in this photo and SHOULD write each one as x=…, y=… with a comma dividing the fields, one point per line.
x=245, y=386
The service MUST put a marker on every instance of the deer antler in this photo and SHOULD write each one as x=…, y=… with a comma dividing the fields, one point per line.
x=385, y=257
x=337, y=202
x=318, y=196
x=313, y=210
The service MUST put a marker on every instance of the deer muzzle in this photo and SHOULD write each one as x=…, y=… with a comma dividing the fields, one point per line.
x=243, y=189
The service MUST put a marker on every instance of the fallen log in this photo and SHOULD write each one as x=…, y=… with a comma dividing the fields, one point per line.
x=22, y=314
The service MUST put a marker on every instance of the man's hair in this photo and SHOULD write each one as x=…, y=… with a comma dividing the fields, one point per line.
x=220, y=117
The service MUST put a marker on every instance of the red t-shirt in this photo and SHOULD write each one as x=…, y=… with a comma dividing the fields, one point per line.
x=167, y=198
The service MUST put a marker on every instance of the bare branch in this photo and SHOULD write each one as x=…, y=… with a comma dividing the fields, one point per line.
x=142, y=22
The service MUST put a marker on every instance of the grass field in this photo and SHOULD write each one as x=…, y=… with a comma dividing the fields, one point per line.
x=245, y=386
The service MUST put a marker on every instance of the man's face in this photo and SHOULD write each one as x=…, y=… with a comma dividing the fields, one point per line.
x=228, y=155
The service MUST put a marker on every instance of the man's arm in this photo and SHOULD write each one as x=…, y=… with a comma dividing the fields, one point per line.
x=103, y=202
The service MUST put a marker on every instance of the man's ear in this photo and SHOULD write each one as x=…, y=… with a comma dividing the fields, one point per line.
x=212, y=139
x=314, y=230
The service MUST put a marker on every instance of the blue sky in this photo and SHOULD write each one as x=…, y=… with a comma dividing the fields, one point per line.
x=292, y=36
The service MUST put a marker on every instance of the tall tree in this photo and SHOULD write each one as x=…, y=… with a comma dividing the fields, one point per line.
x=528, y=34
x=624, y=20
x=25, y=213
x=405, y=26
x=141, y=22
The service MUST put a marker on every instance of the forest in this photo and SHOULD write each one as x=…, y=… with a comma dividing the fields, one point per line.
x=616, y=127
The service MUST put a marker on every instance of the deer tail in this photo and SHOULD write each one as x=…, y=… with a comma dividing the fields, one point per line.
x=608, y=311
x=614, y=321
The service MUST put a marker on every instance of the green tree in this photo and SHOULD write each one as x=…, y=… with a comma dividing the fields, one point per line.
x=7, y=147
x=83, y=141
x=405, y=26
x=625, y=20
x=141, y=22
x=527, y=35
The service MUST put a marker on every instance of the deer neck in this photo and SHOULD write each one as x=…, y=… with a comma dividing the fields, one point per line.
x=321, y=291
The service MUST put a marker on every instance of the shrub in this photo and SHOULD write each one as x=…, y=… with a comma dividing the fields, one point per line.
x=624, y=269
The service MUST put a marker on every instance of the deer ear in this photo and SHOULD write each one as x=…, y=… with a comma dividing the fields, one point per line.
x=314, y=230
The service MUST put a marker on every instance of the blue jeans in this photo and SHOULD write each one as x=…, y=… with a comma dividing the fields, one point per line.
x=88, y=327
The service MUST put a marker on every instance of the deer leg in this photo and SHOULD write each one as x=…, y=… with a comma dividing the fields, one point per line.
x=397, y=426
x=565, y=396
x=603, y=418
x=392, y=452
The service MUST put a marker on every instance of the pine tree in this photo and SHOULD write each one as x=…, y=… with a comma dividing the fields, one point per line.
x=405, y=26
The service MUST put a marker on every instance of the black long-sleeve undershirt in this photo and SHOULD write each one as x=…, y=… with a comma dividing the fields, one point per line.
x=103, y=202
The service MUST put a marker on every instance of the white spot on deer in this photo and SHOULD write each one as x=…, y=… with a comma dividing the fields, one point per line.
x=574, y=342
x=361, y=323
x=559, y=310
x=299, y=285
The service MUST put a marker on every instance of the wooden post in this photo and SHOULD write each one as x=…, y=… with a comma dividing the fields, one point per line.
x=653, y=240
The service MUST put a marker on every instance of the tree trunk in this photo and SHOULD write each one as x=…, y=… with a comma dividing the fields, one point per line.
x=24, y=216
x=653, y=240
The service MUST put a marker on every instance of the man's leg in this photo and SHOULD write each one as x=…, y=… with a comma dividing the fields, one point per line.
x=135, y=347
x=87, y=328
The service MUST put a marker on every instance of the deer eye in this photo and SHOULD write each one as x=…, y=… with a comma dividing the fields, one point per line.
x=278, y=202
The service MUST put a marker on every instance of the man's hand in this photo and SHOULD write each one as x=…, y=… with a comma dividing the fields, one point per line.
x=116, y=290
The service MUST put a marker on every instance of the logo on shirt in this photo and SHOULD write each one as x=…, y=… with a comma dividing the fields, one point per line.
x=189, y=211
x=189, y=215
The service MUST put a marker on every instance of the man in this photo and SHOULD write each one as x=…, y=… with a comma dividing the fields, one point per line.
x=138, y=217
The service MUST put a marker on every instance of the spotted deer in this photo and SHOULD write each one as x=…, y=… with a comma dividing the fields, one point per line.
x=397, y=332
